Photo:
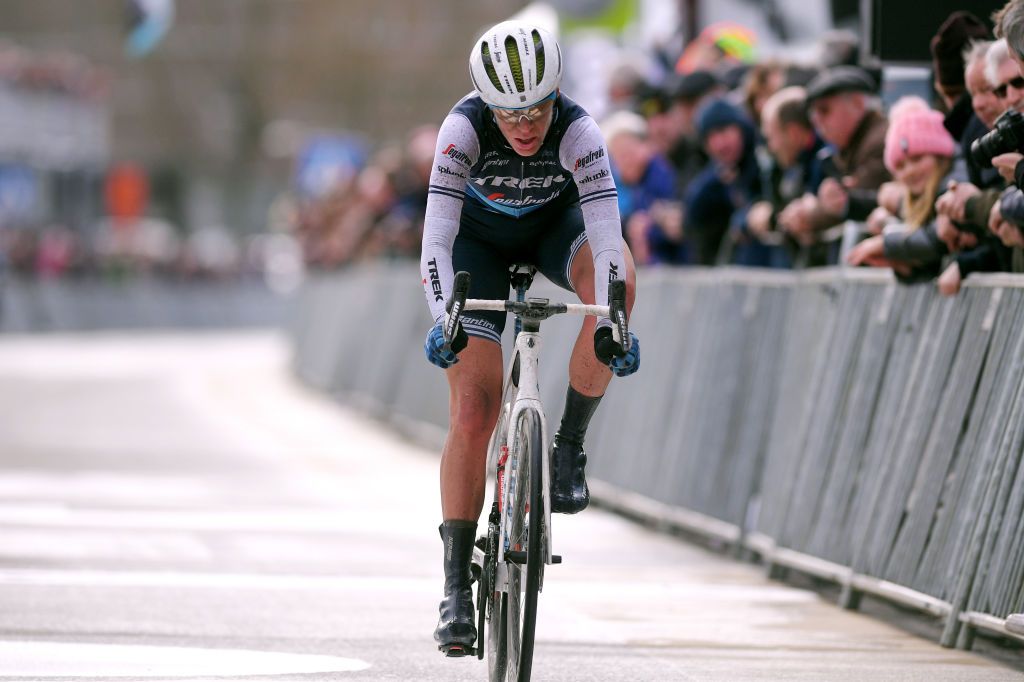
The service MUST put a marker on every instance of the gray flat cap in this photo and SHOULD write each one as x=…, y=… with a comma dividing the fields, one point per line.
x=840, y=79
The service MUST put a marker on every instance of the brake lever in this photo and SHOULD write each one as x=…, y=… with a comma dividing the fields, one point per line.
x=454, y=307
x=617, y=313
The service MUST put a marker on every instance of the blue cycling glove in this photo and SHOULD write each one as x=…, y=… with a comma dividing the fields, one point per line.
x=621, y=362
x=434, y=346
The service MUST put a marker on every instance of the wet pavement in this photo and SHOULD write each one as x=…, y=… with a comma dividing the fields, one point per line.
x=177, y=507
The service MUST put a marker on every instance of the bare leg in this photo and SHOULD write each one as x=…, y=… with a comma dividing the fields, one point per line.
x=586, y=374
x=475, y=395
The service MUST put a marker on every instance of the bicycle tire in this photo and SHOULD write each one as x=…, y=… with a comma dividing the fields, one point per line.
x=521, y=604
x=496, y=611
x=497, y=637
x=496, y=615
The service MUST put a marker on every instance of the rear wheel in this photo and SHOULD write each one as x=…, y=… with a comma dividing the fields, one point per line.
x=525, y=532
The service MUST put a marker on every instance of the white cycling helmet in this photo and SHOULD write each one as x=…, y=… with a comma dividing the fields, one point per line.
x=515, y=65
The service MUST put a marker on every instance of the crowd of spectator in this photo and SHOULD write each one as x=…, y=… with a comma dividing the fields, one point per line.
x=772, y=164
x=147, y=247
x=373, y=213
x=724, y=159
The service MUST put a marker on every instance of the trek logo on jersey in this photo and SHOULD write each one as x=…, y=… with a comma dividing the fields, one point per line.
x=517, y=182
x=456, y=154
x=435, y=279
x=597, y=176
x=590, y=158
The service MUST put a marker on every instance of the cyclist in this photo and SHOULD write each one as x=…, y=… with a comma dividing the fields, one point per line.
x=520, y=175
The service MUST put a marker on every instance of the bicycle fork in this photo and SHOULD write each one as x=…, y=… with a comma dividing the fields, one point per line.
x=528, y=347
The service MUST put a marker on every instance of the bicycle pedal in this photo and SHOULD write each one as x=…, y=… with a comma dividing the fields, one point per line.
x=456, y=650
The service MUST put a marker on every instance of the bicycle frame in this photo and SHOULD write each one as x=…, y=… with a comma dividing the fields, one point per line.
x=527, y=349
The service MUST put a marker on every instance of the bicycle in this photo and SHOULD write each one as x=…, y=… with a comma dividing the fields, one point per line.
x=518, y=540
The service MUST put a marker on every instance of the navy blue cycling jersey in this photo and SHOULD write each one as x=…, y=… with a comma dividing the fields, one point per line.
x=474, y=162
x=511, y=184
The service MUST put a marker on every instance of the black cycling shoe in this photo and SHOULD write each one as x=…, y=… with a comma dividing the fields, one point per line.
x=569, y=491
x=456, y=628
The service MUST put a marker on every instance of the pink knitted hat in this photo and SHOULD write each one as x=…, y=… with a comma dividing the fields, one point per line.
x=915, y=128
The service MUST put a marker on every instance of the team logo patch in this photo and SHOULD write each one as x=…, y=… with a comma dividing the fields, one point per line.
x=590, y=158
x=456, y=154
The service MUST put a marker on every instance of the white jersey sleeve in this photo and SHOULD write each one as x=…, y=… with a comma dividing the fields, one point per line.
x=458, y=149
x=583, y=152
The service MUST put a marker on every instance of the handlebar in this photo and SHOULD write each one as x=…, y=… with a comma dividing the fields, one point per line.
x=537, y=309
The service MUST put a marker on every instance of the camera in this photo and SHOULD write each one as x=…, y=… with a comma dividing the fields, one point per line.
x=1007, y=135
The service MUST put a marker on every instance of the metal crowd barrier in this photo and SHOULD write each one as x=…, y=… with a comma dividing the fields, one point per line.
x=30, y=305
x=831, y=422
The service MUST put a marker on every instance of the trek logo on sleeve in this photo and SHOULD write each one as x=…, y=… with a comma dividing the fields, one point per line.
x=590, y=158
x=456, y=154
x=435, y=279
x=613, y=272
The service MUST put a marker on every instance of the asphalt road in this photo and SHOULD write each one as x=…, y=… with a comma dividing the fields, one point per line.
x=178, y=508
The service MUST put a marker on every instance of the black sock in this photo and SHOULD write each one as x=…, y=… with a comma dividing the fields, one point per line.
x=576, y=415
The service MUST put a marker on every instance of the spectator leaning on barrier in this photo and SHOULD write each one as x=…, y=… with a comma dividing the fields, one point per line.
x=688, y=94
x=759, y=83
x=986, y=107
x=846, y=114
x=646, y=185
x=919, y=152
x=717, y=198
x=969, y=211
x=949, y=47
x=792, y=170
x=1009, y=23
x=964, y=209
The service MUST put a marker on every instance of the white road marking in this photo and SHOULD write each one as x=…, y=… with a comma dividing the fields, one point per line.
x=411, y=582
x=257, y=519
x=70, y=659
x=219, y=581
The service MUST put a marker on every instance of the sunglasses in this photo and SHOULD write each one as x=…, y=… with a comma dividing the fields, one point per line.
x=1015, y=83
x=514, y=116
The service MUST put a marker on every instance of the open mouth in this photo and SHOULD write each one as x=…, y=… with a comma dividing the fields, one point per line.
x=526, y=141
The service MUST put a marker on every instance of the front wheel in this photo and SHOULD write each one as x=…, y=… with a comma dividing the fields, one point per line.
x=525, y=526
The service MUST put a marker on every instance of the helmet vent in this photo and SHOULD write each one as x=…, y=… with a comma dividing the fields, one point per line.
x=485, y=52
x=514, y=62
x=538, y=48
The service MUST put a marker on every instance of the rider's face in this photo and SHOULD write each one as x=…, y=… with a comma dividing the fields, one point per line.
x=525, y=130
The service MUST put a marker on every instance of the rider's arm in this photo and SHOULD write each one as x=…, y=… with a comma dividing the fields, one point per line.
x=457, y=150
x=583, y=152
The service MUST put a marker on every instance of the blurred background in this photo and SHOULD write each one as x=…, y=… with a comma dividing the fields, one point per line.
x=223, y=139
x=251, y=140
